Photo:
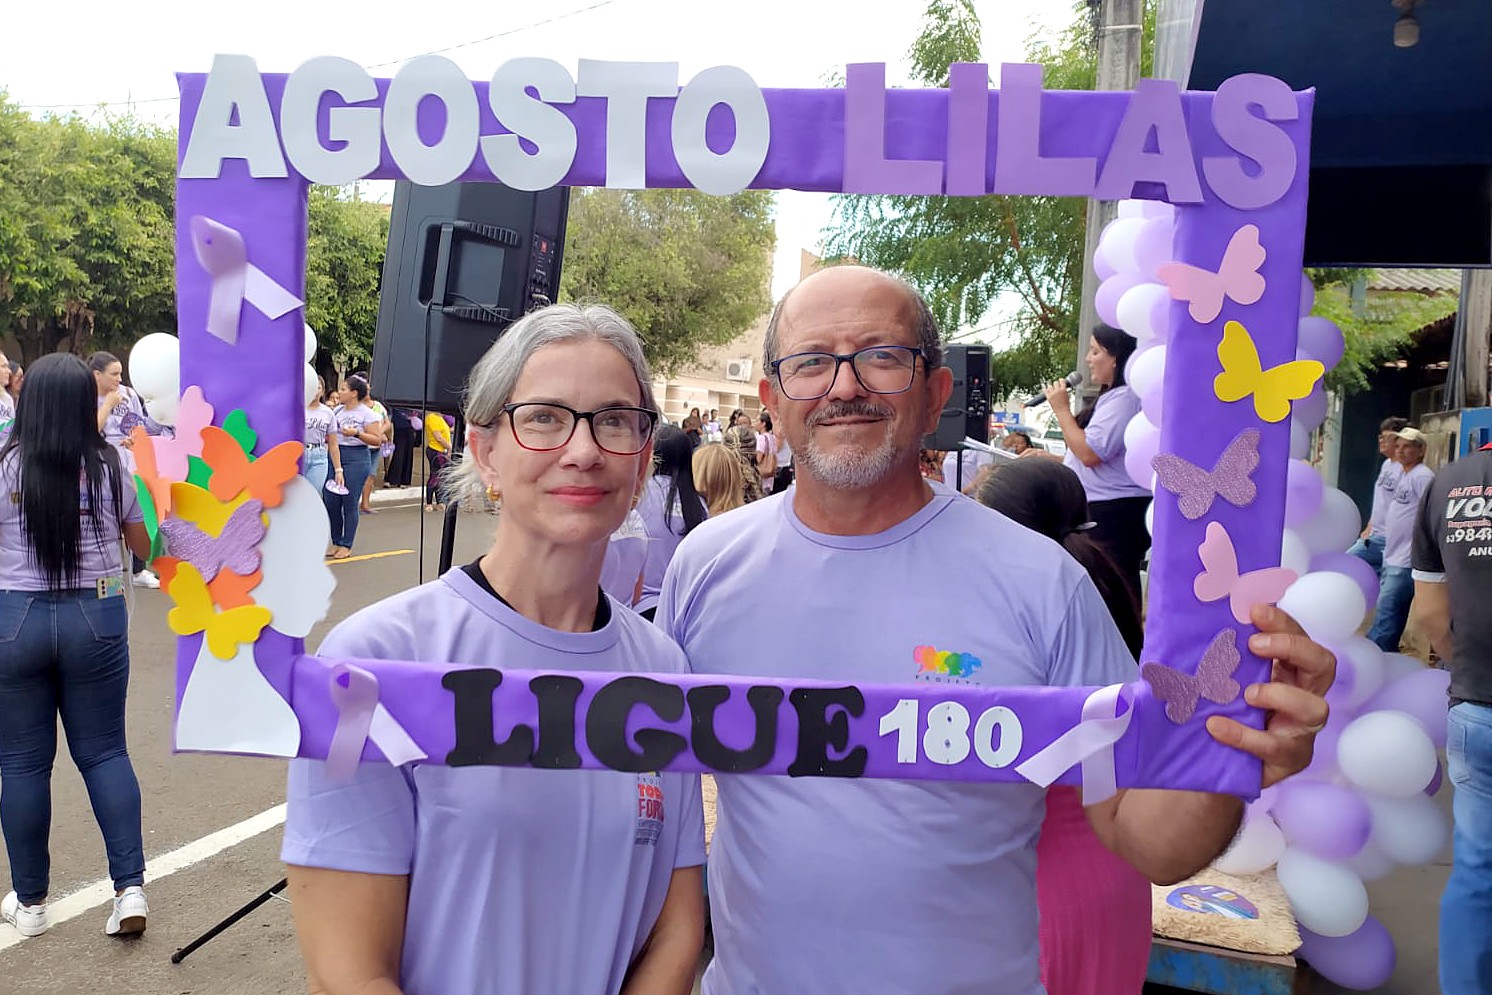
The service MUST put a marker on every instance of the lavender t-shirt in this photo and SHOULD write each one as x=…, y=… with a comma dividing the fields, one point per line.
x=520, y=881
x=98, y=551
x=318, y=425
x=843, y=887
x=1389, y=475
x=665, y=529
x=363, y=417
x=1398, y=518
x=1109, y=480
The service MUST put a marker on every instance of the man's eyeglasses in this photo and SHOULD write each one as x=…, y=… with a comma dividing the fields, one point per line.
x=881, y=369
x=542, y=426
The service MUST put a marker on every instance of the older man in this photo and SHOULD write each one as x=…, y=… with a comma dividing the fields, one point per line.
x=1396, y=586
x=854, y=886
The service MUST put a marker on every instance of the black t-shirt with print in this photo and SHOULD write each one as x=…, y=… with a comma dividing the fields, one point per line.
x=1453, y=536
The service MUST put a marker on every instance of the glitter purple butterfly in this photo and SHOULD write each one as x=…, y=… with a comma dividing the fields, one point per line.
x=236, y=549
x=1231, y=478
x=1213, y=680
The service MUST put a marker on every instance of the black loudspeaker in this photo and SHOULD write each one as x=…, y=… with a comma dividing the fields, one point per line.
x=967, y=413
x=464, y=261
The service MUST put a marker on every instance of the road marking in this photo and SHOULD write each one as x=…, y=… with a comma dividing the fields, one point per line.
x=368, y=556
x=100, y=892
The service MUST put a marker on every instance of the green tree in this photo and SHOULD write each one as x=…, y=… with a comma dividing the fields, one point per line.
x=345, y=248
x=687, y=269
x=1374, y=327
x=965, y=252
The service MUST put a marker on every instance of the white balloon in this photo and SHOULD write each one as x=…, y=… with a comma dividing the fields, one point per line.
x=1129, y=208
x=1300, y=441
x=1257, y=846
x=155, y=366
x=1329, y=606
x=1335, y=527
x=1145, y=373
x=1387, y=753
x=1396, y=665
x=1369, y=672
x=1294, y=553
x=162, y=409
x=1150, y=518
x=310, y=346
x=1137, y=309
x=1118, y=241
x=1371, y=863
x=1326, y=896
x=313, y=384
x=1409, y=830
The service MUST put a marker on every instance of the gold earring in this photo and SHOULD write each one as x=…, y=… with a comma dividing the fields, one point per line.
x=494, y=494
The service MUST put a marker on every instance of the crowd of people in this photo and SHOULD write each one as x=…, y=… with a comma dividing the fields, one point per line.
x=818, y=516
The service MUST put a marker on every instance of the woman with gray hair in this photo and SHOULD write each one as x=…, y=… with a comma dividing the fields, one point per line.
x=429, y=879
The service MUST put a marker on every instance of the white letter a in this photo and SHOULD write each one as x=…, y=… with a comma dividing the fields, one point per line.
x=233, y=83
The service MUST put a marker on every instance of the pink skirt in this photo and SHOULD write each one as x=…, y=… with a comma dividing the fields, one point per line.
x=1094, y=907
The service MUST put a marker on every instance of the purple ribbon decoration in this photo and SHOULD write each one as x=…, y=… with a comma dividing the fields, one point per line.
x=220, y=250
x=359, y=718
x=1089, y=743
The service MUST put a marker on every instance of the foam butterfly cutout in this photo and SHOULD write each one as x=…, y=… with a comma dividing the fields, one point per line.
x=234, y=548
x=1213, y=679
x=1231, y=477
x=228, y=589
x=199, y=507
x=233, y=472
x=1244, y=374
x=193, y=414
x=148, y=473
x=1220, y=577
x=1237, y=277
x=194, y=612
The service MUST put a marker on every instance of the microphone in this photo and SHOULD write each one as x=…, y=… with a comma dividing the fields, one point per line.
x=1073, y=379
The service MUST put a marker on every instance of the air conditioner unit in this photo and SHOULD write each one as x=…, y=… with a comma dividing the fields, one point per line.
x=738, y=369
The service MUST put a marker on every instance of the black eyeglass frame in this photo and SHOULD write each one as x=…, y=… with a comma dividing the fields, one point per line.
x=579, y=416
x=840, y=359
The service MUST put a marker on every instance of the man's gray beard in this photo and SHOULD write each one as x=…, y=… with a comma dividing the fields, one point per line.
x=849, y=467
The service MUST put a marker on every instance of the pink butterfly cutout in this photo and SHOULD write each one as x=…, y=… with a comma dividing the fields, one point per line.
x=1213, y=680
x=1231, y=477
x=1238, y=277
x=1220, y=578
x=193, y=414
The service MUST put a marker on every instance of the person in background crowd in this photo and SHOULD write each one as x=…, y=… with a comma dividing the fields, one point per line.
x=65, y=628
x=437, y=458
x=1452, y=562
x=7, y=399
x=929, y=463
x=17, y=377
x=359, y=432
x=670, y=509
x=712, y=426
x=719, y=477
x=694, y=427
x=1095, y=451
x=784, y=477
x=1396, y=588
x=381, y=450
x=1017, y=441
x=971, y=461
x=431, y=879
x=856, y=381
x=118, y=404
x=766, y=451
x=741, y=440
x=1369, y=546
x=1094, y=908
x=321, y=460
x=406, y=433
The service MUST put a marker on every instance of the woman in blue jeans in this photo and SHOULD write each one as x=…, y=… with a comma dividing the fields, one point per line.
x=357, y=427
x=64, y=641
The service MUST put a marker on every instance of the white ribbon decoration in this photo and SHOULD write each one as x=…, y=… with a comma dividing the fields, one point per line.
x=221, y=251
x=1090, y=743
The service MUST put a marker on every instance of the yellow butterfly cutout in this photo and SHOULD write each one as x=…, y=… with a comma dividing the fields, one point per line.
x=195, y=612
x=198, y=506
x=1243, y=374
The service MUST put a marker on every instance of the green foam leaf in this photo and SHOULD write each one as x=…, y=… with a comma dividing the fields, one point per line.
x=198, y=472
x=237, y=425
x=147, y=504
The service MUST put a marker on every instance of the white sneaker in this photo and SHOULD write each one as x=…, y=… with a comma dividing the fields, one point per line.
x=130, y=910
x=147, y=579
x=29, y=920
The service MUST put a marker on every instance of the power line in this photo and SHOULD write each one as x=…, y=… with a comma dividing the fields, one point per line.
x=380, y=65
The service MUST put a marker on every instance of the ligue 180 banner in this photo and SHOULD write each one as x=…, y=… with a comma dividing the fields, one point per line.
x=241, y=534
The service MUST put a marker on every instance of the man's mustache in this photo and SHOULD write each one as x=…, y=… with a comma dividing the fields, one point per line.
x=849, y=409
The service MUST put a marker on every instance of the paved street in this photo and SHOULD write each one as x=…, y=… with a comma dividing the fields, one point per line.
x=189, y=798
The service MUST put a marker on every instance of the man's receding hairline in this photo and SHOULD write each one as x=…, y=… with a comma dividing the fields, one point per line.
x=909, y=297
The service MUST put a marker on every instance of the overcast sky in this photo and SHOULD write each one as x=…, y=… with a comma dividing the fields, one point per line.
x=76, y=54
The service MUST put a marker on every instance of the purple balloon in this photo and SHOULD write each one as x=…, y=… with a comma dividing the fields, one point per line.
x=1326, y=820
x=1421, y=695
x=1362, y=960
x=1102, y=268
x=1354, y=567
x=1320, y=339
x=1307, y=295
x=1142, y=443
x=1340, y=692
x=1153, y=246
x=1323, y=765
x=1310, y=411
x=1438, y=781
x=1303, y=490
x=1106, y=298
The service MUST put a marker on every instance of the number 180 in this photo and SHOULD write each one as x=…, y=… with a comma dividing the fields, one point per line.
x=946, y=739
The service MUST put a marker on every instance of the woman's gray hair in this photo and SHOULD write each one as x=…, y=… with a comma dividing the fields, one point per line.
x=495, y=375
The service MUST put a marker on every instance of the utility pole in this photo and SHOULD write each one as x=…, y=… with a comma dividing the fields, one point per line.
x=1120, y=35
